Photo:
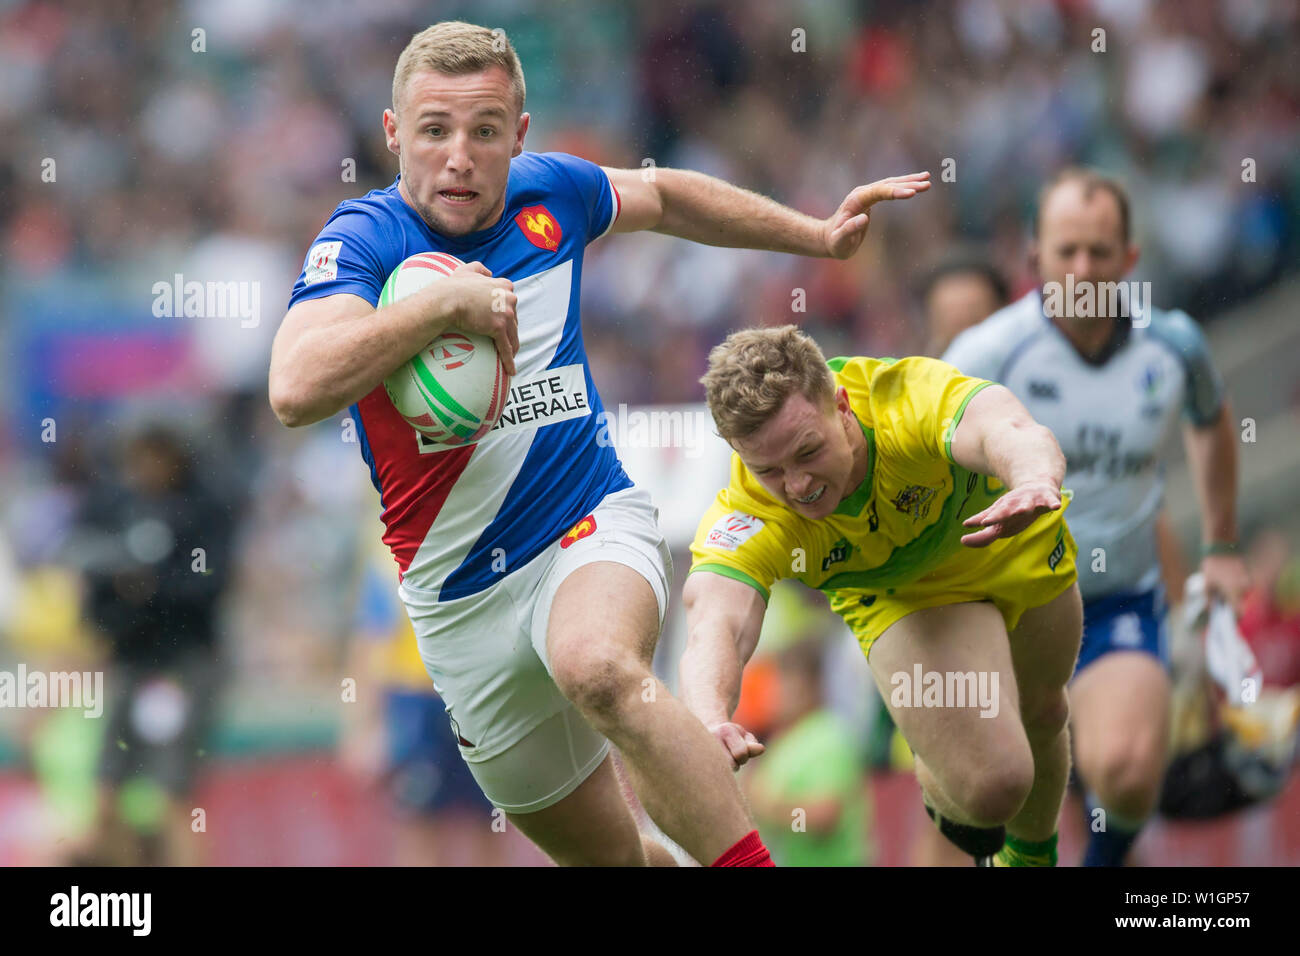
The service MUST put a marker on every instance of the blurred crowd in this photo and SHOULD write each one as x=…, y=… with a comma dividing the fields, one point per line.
x=223, y=150
x=212, y=138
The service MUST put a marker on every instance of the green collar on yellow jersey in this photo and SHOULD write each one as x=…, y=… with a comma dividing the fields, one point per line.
x=854, y=503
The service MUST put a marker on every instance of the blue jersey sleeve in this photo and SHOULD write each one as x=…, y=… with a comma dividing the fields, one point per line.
x=596, y=192
x=1203, y=389
x=347, y=256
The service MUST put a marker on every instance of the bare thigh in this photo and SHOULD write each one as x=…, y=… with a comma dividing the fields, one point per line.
x=601, y=633
x=958, y=745
x=599, y=636
x=1044, y=649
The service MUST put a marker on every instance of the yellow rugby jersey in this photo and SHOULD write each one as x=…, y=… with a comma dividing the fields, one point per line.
x=901, y=525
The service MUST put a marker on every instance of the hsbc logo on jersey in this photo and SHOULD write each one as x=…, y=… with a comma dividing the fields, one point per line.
x=323, y=262
x=732, y=530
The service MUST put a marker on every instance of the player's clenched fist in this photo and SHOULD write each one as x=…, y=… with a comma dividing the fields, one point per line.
x=738, y=742
x=486, y=305
x=846, y=229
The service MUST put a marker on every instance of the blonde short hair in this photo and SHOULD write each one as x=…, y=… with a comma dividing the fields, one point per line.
x=753, y=372
x=457, y=48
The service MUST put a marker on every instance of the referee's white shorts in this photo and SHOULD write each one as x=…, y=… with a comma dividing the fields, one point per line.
x=525, y=744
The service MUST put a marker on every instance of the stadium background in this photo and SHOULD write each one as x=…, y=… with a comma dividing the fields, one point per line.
x=221, y=164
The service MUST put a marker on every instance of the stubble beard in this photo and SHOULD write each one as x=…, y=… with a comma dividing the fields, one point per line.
x=434, y=222
x=431, y=218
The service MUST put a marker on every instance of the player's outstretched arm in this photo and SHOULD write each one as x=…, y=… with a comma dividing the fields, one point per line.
x=723, y=621
x=997, y=436
x=331, y=351
x=691, y=205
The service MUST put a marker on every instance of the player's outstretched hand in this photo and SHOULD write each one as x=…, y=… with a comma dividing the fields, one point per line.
x=738, y=742
x=846, y=229
x=1012, y=513
x=486, y=306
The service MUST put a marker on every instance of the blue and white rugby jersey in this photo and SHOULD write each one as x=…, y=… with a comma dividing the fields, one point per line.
x=458, y=519
x=1110, y=417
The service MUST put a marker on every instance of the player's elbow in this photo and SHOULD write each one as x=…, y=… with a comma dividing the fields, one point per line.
x=1018, y=426
x=1046, y=438
x=284, y=400
x=1035, y=439
x=288, y=416
x=290, y=401
x=1028, y=431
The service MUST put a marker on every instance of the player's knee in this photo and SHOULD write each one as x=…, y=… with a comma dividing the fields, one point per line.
x=599, y=686
x=1046, y=716
x=993, y=795
x=1126, y=775
x=1133, y=797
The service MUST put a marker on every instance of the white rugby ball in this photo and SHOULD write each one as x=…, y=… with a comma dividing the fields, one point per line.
x=454, y=389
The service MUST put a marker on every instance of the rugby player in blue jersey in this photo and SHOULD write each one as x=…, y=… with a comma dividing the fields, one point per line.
x=532, y=569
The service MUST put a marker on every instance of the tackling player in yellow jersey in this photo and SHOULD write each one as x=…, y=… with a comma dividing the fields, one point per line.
x=927, y=505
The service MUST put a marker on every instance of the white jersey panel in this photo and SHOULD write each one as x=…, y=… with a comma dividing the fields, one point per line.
x=475, y=499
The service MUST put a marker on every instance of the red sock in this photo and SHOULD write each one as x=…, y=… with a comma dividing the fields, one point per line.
x=749, y=851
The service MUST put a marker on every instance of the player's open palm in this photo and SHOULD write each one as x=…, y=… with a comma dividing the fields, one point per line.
x=486, y=306
x=846, y=229
x=738, y=742
x=1012, y=513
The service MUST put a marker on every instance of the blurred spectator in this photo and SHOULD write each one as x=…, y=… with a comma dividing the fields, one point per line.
x=187, y=157
x=808, y=790
x=397, y=735
x=963, y=288
x=1270, y=613
x=155, y=550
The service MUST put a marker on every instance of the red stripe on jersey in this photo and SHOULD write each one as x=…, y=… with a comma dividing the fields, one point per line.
x=618, y=203
x=414, y=486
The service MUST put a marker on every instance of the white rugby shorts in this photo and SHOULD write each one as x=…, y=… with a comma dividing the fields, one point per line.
x=526, y=745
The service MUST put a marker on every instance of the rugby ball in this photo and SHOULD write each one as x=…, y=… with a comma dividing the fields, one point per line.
x=454, y=389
